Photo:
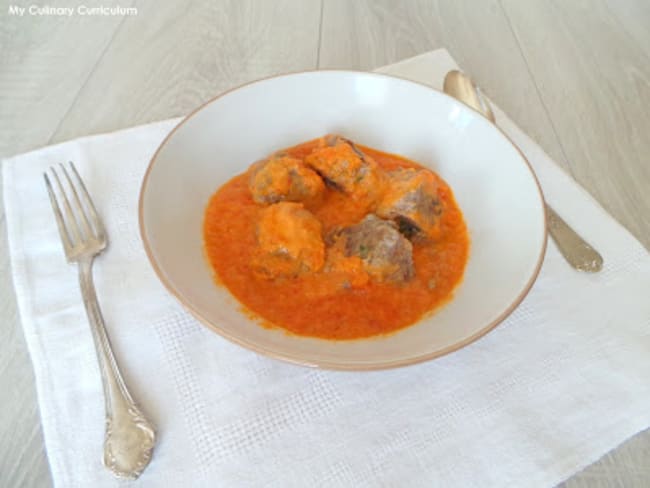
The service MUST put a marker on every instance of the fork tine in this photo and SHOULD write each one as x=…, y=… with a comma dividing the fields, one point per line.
x=65, y=238
x=97, y=222
x=73, y=227
x=81, y=213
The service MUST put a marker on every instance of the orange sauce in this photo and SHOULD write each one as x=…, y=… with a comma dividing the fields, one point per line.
x=315, y=304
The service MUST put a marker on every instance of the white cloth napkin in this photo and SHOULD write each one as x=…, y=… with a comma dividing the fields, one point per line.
x=563, y=380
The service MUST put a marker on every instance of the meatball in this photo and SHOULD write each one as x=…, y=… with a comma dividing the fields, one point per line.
x=283, y=178
x=346, y=168
x=386, y=255
x=289, y=241
x=413, y=201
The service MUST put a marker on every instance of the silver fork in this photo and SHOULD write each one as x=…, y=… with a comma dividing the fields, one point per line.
x=129, y=437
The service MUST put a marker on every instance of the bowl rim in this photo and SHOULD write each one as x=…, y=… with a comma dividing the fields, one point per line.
x=328, y=364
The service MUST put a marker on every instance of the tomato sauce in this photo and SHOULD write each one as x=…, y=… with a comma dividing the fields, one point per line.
x=315, y=304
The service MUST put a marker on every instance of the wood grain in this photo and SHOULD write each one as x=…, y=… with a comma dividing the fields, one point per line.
x=44, y=62
x=591, y=63
x=173, y=56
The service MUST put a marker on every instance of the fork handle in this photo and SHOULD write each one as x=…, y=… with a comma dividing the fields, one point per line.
x=129, y=437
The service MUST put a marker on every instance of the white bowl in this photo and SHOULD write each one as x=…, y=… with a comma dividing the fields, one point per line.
x=494, y=186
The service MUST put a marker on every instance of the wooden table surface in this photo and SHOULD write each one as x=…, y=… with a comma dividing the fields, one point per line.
x=574, y=74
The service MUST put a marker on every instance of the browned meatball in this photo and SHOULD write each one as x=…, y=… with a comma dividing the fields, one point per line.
x=412, y=201
x=346, y=168
x=283, y=178
x=386, y=254
x=289, y=241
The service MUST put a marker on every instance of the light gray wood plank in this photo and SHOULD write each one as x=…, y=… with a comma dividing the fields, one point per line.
x=173, y=56
x=591, y=63
x=366, y=34
x=44, y=62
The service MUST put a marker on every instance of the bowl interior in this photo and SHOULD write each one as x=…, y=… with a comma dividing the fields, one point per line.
x=491, y=181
